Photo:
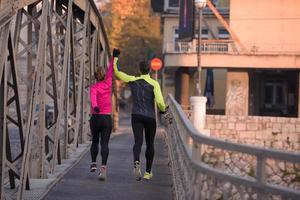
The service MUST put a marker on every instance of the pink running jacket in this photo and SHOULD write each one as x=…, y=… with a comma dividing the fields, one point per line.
x=100, y=93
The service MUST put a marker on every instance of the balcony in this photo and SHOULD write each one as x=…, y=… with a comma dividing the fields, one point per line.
x=224, y=11
x=207, y=46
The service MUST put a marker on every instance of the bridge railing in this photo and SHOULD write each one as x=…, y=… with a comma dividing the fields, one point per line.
x=209, y=168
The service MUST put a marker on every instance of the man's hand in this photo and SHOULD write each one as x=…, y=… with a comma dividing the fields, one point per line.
x=116, y=52
x=96, y=109
x=164, y=112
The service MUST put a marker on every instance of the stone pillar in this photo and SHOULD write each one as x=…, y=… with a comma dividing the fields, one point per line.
x=177, y=86
x=185, y=86
x=237, y=95
x=182, y=86
x=198, y=104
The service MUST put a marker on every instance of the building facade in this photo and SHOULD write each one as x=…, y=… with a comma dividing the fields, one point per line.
x=180, y=76
x=252, y=48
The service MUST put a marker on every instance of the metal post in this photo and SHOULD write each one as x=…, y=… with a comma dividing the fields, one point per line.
x=261, y=175
x=156, y=111
x=2, y=131
x=61, y=104
x=199, y=54
x=29, y=59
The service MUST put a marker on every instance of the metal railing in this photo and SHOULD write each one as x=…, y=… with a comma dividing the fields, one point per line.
x=207, y=46
x=209, y=168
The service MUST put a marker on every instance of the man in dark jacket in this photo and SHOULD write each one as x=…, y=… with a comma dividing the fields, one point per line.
x=145, y=92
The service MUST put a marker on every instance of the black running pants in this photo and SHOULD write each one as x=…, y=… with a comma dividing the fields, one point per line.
x=101, y=127
x=139, y=124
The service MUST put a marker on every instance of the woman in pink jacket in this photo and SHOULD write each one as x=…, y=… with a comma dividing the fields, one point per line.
x=101, y=121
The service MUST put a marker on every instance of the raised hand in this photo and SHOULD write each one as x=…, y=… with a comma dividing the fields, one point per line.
x=116, y=52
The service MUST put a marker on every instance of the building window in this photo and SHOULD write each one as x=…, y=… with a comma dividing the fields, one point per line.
x=176, y=39
x=274, y=94
x=204, y=33
x=173, y=3
x=223, y=33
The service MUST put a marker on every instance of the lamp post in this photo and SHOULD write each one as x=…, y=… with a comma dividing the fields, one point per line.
x=199, y=4
x=198, y=102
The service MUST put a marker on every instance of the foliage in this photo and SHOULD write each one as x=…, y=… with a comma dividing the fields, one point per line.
x=134, y=28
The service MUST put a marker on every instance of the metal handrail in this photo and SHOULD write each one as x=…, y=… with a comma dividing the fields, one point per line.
x=261, y=154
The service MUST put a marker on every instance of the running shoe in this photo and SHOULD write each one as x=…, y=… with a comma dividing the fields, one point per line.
x=93, y=167
x=137, y=171
x=148, y=176
x=102, y=175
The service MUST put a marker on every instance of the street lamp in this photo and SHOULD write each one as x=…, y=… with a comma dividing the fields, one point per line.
x=199, y=4
x=198, y=102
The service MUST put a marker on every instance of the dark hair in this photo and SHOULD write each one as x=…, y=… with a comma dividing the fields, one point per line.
x=99, y=74
x=144, y=67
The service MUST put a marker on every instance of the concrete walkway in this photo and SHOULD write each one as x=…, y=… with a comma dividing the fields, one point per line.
x=79, y=183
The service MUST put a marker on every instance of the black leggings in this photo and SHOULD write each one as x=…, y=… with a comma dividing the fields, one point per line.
x=139, y=123
x=101, y=125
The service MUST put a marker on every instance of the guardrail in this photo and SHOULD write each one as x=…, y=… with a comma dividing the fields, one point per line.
x=209, y=168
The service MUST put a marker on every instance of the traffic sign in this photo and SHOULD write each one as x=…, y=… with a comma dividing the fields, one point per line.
x=156, y=64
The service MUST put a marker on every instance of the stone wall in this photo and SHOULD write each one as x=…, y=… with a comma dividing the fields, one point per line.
x=273, y=132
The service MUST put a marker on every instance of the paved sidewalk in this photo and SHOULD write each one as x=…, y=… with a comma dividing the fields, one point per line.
x=79, y=183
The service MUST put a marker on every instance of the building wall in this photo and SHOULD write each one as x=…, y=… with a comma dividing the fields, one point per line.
x=271, y=132
x=267, y=25
x=170, y=23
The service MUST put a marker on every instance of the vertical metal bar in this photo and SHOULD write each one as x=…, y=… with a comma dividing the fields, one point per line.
x=42, y=113
x=62, y=87
x=37, y=165
x=17, y=29
x=67, y=119
x=32, y=106
x=2, y=131
x=261, y=175
x=28, y=141
x=86, y=83
x=81, y=78
x=53, y=80
x=12, y=76
x=3, y=47
x=199, y=53
x=29, y=57
x=93, y=56
x=52, y=67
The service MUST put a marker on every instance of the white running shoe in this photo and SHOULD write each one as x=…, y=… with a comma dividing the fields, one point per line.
x=102, y=175
x=93, y=167
x=137, y=171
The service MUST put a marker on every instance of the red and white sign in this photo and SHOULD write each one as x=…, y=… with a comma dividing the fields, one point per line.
x=156, y=64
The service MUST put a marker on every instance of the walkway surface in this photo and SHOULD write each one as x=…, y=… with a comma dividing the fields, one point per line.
x=79, y=183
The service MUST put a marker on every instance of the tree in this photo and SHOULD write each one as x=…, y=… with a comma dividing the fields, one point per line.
x=133, y=27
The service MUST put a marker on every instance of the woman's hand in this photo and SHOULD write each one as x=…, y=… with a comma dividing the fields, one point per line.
x=116, y=52
x=96, y=109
